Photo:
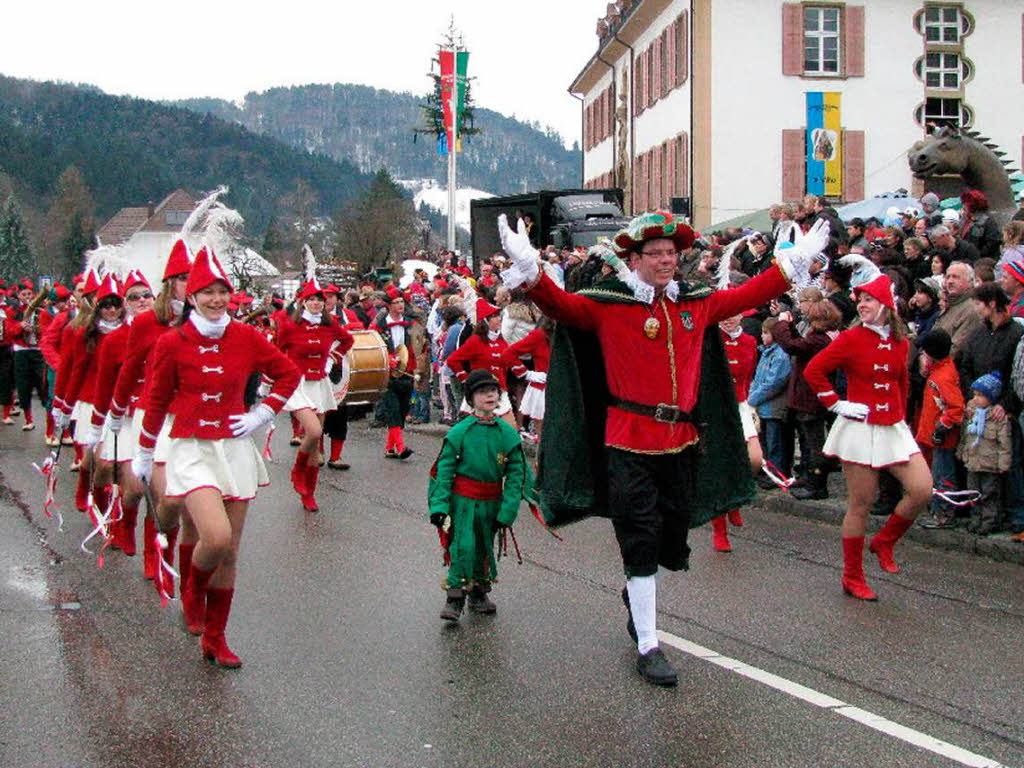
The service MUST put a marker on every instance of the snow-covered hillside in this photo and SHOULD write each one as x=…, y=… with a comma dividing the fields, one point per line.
x=430, y=193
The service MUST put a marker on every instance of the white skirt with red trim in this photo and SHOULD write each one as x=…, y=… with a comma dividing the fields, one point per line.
x=747, y=420
x=81, y=414
x=532, y=404
x=163, y=441
x=318, y=395
x=871, y=445
x=232, y=466
x=127, y=439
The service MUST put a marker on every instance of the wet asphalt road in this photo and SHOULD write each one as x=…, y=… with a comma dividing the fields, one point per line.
x=347, y=664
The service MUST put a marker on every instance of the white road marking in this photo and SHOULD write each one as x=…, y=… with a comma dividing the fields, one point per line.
x=818, y=699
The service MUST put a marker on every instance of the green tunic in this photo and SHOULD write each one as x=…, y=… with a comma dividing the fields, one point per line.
x=488, y=452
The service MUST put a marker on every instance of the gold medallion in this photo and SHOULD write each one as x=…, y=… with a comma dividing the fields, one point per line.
x=651, y=327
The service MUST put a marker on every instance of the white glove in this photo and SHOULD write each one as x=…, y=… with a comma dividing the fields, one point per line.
x=246, y=423
x=91, y=435
x=328, y=365
x=795, y=261
x=114, y=423
x=537, y=377
x=60, y=419
x=851, y=410
x=263, y=390
x=520, y=252
x=142, y=463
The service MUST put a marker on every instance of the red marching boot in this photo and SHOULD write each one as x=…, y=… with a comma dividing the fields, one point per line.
x=214, y=645
x=299, y=472
x=82, y=492
x=853, y=569
x=148, y=549
x=308, y=500
x=168, y=555
x=185, y=566
x=193, y=599
x=720, y=535
x=735, y=518
x=126, y=529
x=886, y=538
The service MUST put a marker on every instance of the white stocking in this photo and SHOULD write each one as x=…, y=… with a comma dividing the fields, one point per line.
x=643, y=605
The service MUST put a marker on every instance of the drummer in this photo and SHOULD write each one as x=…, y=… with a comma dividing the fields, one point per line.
x=393, y=326
x=336, y=421
x=315, y=341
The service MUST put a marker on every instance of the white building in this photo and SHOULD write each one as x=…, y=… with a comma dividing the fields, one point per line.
x=738, y=104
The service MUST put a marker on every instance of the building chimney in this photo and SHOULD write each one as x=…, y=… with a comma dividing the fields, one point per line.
x=150, y=208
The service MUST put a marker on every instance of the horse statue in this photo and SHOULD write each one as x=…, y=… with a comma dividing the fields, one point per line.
x=948, y=151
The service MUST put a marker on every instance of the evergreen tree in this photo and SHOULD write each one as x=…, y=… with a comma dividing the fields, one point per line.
x=79, y=237
x=378, y=226
x=16, y=260
x=273, y=241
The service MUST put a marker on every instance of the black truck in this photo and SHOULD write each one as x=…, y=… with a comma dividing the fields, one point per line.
x=563, y=218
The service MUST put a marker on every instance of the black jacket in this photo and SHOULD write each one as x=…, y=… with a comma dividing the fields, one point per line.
x=988, y=350
x=985, y=236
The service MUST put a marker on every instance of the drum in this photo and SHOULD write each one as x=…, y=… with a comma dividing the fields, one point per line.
x=368, y=368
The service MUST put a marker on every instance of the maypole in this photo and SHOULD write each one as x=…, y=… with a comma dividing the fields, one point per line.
x=453, y=58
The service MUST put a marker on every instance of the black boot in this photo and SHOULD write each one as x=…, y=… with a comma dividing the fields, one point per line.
x=453, y=604
x=816, y=487
x=478, y=600
x=630, y=627
x=654, y=668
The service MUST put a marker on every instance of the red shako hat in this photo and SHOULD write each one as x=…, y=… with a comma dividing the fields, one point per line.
x=206, y=270
x=179, y=262
x=879, y=289
x=332, y=289
x=61, y=293
x=310, y=288
x=393, y=293
x=109, y=287
x=92, y=282
x=135, y=277
x=485, y=309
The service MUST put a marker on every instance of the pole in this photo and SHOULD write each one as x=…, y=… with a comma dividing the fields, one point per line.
x=452, y=178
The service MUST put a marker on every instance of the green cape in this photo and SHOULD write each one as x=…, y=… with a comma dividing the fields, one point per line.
x=572, y=480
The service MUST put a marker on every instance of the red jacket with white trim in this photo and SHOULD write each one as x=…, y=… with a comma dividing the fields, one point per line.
x=202, y=381
x=876, y=373
x=535, y=344
x=741, y=355
x=477, y=353
x=309, y=345
x=142, y=339
x=51, y=337
x=108, y=362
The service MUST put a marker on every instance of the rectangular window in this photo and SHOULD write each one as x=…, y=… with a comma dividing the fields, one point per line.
x=942, y=112
x=821, y=40
x=942, y=70
x=942, y=24
x=176, y=218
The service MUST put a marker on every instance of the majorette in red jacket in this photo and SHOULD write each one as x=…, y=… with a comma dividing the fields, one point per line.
x=202, y=381
x=475, y=354
x=876, y=373
x=80, y=384
x=50, y=340
x=108, y=363
x=146, y=329
x=309, y=345
x=535, y=344
x=741, y=355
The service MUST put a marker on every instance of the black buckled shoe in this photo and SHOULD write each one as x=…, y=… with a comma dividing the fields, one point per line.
x=655, y=669
x=479, y=602
x=453, y=605
x=630, y=626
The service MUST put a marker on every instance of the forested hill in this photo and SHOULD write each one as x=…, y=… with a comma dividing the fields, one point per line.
x=374, y=128
x=131, y=151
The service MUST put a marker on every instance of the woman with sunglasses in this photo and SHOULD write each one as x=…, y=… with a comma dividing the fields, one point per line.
x=315, y=341
x=146, y=328
x=115, y=453
x=199, y=372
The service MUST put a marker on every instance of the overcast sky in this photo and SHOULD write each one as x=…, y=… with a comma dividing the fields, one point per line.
x=523, y=53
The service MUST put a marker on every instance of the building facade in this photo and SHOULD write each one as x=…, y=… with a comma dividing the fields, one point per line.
x=739, y=104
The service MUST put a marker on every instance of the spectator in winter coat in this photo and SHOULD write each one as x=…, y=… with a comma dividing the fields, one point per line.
x=992, y=345
x=950, y=247
x=915, y=261
x=958, y=319
x=768, y=398
x=930, y=206
x=855, y=230
x=1013, y=245
x=836, y=282
x=1019, y=215
x=985, y=449
x=977, y=226
x=938, y=429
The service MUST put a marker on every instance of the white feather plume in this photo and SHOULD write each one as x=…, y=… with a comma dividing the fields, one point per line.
x=612, y=259
x=308, y=261
x=409, y=267
x=796, y=257
x=192, y=222
x=725, y=263
x=107, y=259
x=862, y=270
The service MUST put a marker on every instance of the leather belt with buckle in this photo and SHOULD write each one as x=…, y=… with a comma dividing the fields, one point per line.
x=662, y=412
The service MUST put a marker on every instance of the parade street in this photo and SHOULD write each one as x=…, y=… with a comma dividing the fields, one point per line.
x=346, y=662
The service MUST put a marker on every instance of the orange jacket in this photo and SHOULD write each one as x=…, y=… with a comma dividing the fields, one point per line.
x=943, y=402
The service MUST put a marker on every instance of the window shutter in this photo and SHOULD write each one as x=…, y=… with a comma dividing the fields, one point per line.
x=637, y=177
x=683, y=164
x=794, y=147
x=671, y=76
x=599, y=119
x=655, y=50
x=683, y=70
x=656, y=188
x=647, y=101
x=853, y=165
x=671, y=182
x=853, y=41
x=638, y=85
x=792, y=39
x=645, y=183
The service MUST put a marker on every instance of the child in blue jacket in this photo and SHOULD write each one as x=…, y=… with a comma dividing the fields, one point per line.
x=768, y=397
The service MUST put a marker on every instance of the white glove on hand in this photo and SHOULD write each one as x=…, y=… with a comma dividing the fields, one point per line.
x=537, y=377
x=142, y=463
x=114, y=423
x=263, y=390
x=328, y=366
x=522, y=254
x=851, y=410
x=244, y=424
x=91, y=436
x=60, y=419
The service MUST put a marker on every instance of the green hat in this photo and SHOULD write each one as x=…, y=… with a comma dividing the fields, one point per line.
x=652, y=226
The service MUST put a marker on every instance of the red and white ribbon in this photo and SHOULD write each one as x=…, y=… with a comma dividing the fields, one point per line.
x=776, y=475
x=164, y=570
x=49, y=472
x=101, y=520
x=957, y=498
x=266, y=443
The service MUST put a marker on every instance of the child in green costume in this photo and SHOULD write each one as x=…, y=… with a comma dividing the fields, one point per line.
x=480, y=477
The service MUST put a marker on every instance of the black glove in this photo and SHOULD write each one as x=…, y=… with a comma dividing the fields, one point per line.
x=438, y=518
x=336, y=373
x=939, y=434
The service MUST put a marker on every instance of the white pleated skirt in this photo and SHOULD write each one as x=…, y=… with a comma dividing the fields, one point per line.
x=127, y=439
x=318, y=395
x=81, y=414
x=533, y=403
x=870, y=445
x=163, y=441
x=503, y=407
x=232, y=466
x=747, y=420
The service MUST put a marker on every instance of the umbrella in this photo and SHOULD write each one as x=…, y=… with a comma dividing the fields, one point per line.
x=877, y=206
x=759, y=220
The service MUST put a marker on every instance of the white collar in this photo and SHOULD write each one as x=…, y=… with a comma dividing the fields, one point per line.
x=733, y=334
x=211, y=329
x=881, y=330
x=644, y=291
x=106, y=327
x=311, y=318
x=177, y=307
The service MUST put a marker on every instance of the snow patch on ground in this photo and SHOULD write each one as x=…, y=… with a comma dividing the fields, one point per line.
x=434, y=195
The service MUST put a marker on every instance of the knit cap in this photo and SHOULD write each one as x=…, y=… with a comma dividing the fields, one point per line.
x=990, y=385
x=936, y=344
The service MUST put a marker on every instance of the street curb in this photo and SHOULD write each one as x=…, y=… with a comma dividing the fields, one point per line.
x=998, y=547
